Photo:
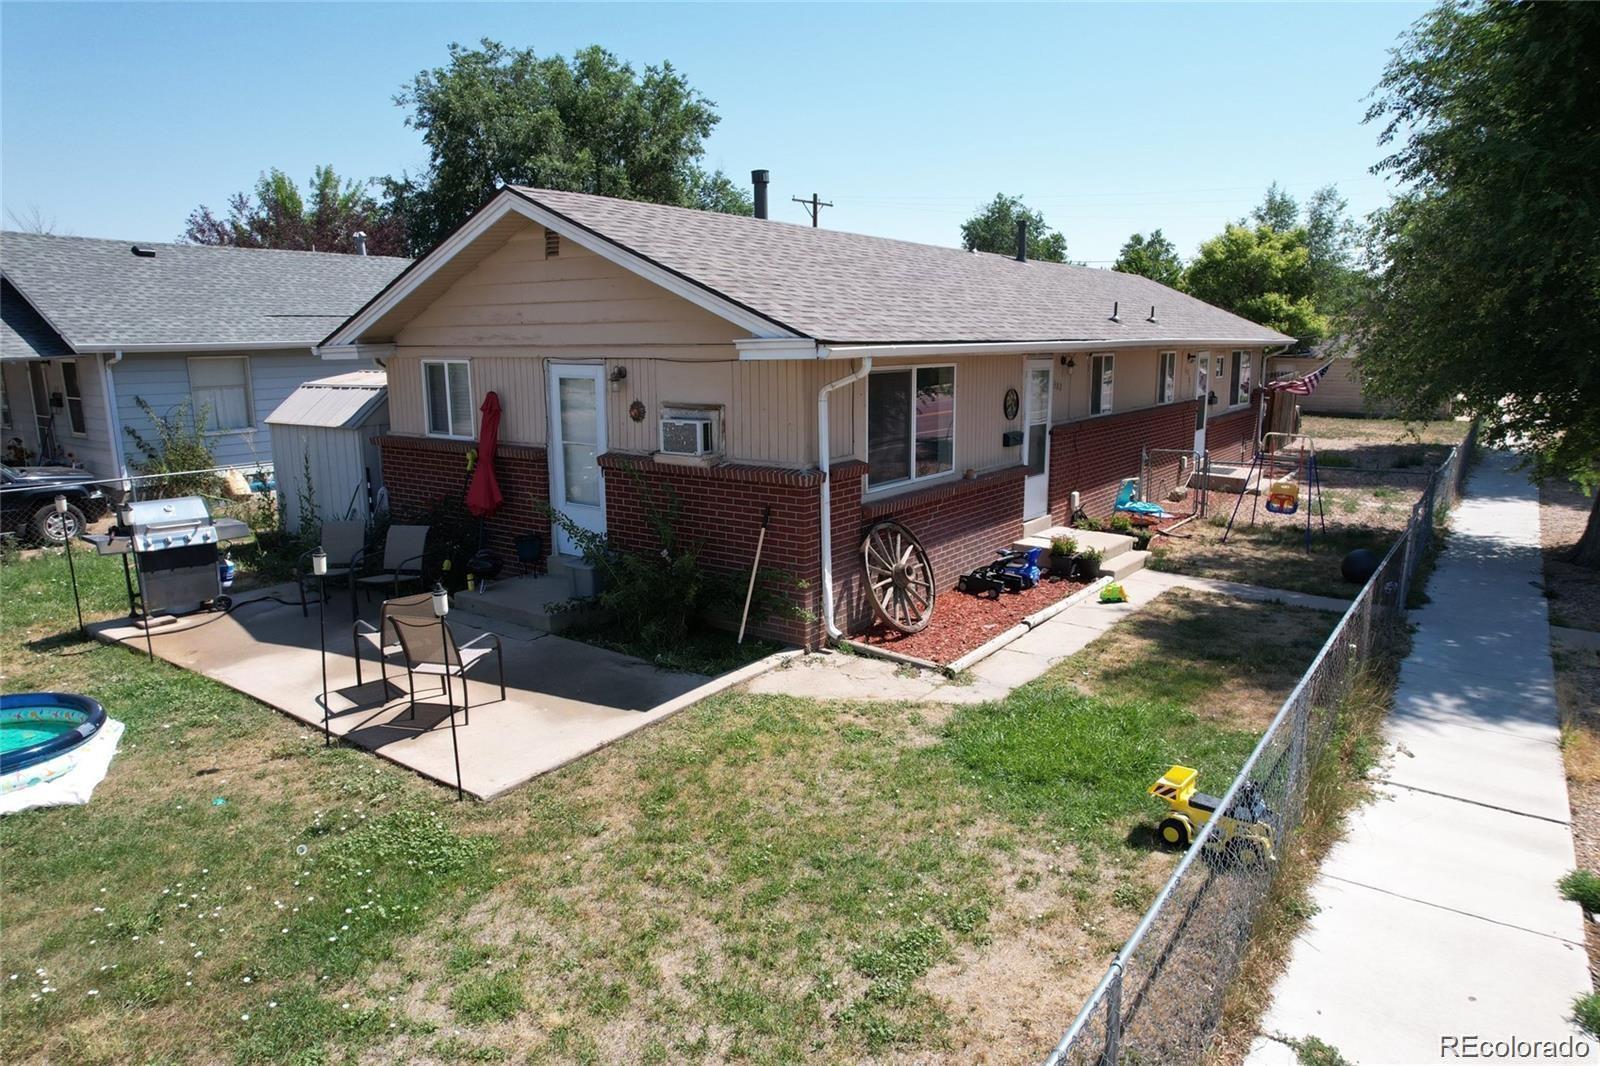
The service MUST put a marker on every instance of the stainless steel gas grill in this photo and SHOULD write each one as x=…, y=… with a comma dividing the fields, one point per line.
x=175, y=544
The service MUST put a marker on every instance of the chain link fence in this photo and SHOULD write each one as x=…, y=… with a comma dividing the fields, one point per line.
x=1175, y=479
x=1161, y=999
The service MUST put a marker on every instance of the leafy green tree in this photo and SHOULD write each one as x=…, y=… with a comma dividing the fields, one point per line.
x=494, y=116
x=1487, y=286
x=276, y=215
x=994, y=229
x=1263, y=274
x=1331, y=240
x=1277, y=210
x=718, y=192
x=1152, y=257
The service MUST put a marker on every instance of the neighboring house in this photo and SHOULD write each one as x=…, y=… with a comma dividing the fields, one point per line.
x=637, y=348
x=1340, y=391
x=92, y=327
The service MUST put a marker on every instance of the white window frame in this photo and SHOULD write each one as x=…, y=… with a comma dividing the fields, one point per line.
x=913, y=477
x=1166, y=379
x=1241, y=374
x=427, y=427
x=249, y=393
x=1102, y=394
x=68, y=396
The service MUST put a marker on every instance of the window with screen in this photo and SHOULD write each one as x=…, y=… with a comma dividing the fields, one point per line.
x=911, y=415
x=1239, y=378
x=1102, y=376
x=220, y=389
x=447, y=397
x=74, y=394
x=1167, y=378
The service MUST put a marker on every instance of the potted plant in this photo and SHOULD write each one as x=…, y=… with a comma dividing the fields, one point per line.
x=1062, y=550
x=1089, y=561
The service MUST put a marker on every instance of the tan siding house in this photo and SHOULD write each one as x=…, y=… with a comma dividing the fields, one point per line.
x=637, y=349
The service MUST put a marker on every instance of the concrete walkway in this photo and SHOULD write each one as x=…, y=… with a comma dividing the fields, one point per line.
x=1438, y=913
x=860, y=677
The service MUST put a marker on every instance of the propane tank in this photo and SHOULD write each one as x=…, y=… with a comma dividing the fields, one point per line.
x=226, y=571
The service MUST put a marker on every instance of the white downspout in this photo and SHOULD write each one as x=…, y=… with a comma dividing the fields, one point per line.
x=823, y=447
x=113, y=424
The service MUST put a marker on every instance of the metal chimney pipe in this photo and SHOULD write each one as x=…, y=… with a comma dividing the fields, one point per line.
x=1022, y=240
x=759, y=179
x=361, y=242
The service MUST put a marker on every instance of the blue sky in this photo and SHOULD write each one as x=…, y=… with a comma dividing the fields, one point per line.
x=116, y=120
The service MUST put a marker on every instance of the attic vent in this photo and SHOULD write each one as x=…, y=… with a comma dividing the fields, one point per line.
x=143, y=252
x=552, y=244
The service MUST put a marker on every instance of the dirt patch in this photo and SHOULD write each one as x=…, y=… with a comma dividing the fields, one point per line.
x=1573, y=591
x=962, y=622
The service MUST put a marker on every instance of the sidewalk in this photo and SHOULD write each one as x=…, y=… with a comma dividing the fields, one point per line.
x=1438, y=913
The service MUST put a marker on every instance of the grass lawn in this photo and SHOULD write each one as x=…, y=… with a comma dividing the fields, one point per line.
x=766, y=878
x=1272, y=553
x=1382, y=443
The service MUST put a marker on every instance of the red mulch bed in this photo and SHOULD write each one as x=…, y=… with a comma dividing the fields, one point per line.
x=961, y=622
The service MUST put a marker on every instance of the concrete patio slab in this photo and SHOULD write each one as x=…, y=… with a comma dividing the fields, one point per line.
x=564, y=698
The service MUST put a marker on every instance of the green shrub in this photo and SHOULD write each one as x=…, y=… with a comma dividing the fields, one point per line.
x=1586, y=1009
x=1063, y=547
x=1120, y=523
x=179, y=447
x=1583, y=888
x=658, y=596
x=1093, y=525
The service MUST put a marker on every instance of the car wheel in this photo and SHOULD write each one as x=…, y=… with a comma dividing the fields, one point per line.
x=51, y=528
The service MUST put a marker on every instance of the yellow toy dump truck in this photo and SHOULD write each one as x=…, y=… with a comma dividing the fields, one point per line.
x=1243, y=833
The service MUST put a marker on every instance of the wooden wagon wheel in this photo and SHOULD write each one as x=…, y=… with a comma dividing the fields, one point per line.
x=899, y=577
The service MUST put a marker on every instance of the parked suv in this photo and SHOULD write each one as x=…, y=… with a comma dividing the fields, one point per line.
x=28, y=496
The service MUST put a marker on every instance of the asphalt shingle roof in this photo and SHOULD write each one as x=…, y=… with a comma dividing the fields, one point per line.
x=99, y=295
x=23, y=334
x=848, y=288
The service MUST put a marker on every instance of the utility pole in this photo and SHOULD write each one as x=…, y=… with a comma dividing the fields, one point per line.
x=813, y=206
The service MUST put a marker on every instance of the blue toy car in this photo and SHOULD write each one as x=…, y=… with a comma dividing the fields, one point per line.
x=1011, y=571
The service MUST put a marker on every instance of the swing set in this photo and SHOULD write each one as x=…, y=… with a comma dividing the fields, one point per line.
x=1286, y=464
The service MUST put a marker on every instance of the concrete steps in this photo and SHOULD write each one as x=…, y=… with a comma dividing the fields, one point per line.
x=536, y=601
x=1118, y=557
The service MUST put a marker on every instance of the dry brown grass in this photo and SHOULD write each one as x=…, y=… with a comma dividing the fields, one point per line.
x=1339, y=782
x=1578, y=696
x=1573, y=591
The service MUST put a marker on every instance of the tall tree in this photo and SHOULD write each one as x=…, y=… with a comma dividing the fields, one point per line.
x=1487, y=286
x=495, y=115
x=1263, y=274
x=276, y=215
x=994, y=229
x=1331, y=239
x=1153, y=257
x=1277, y=210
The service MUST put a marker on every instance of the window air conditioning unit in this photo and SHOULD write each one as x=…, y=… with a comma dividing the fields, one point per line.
x=686, y=435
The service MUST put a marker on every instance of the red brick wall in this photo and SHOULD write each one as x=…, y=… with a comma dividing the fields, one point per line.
x=1231, y=435
x=422, y=471
x=1093, y=456
x=719, y=509
x=960, y=524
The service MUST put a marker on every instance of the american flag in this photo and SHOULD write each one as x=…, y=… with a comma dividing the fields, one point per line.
x=1302, y=386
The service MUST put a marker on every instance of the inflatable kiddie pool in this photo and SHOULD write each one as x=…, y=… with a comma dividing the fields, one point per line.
x=43, y=735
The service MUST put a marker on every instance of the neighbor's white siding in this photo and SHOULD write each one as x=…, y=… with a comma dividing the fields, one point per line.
x=162, y=380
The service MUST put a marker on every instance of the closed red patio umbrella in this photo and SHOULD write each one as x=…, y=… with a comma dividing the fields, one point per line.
x=483, y=495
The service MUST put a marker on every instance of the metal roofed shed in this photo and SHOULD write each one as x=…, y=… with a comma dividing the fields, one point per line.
x=330, y=427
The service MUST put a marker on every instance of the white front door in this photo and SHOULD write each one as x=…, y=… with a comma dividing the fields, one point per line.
x=1036, y=439
x=577, y=439
x=1202, y=389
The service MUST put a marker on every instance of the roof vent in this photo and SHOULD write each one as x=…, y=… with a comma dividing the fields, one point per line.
x=1022, y=240
x=361, y=242
x=143, y=253
x=760, y=179
x=552, y=244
